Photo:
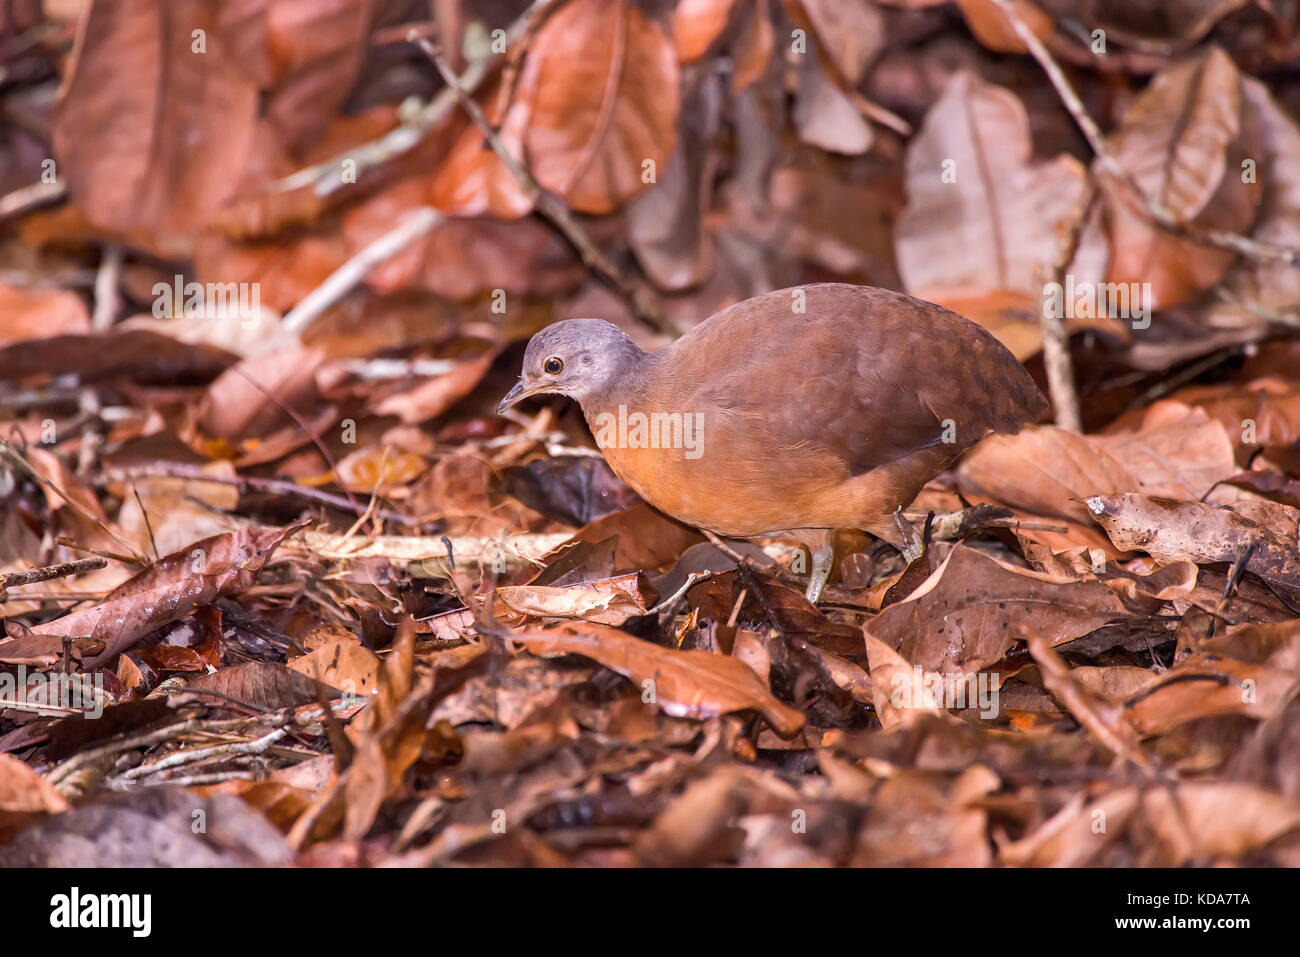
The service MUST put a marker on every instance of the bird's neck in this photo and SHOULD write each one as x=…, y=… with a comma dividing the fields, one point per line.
x=633, y=387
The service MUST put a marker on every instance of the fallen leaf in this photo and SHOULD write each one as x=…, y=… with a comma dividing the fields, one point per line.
x=171, y=589
x=151, y=133
x=697, y=684
x=1183, y=141
x=601, y=82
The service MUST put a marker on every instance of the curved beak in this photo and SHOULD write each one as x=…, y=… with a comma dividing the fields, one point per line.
x=518, y=394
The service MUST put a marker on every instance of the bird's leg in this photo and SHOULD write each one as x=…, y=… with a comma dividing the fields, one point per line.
x=822, y=559
x=913, y=545
x=748, y=571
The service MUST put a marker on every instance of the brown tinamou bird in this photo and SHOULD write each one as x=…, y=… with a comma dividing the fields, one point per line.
x=791, y=414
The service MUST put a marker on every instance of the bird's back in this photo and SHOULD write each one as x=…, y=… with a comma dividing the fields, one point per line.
x=825, y=406
x=873, y=374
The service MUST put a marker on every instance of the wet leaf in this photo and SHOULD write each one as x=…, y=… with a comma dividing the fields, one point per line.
x=171, y=589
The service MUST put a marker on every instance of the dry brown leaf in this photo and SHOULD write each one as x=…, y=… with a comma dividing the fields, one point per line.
x=971, y=611
x=1183, y=141
x=267, y=684
x=169, y=513
x=1251, y=670
x=1043, y=470
x=601, y=82
x=432, y=397
x=917, y=821
x=696, y=24
x=694, y=684
x=993, y=29
x=1198, y=532
x=23, y=791
x=342, y=664
x=151, y=133
x=461, y=258
x=1107, y=721
x=316, y=50
x=1174, y=451
x=40, y=313
x=1174, y=24
x=171, y=589
x=286, y=269
x=892, y=673
x=754, y=47
x=982, y=218
x=474, y=181
x=665, y=224
x=1263, y=411
x=609, y=602
x=380, y=469
x=390, y=736
x=1076, y=834
x=825, y=117
x=1193, y=823
x=1267, y=286
x=248, y=399
x=849, y=32
x=151, y=827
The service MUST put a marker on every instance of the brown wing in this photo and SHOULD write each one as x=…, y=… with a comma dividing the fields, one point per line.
x=865, y=374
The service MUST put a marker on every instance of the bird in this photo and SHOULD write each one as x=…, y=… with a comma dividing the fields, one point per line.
x=791, y=414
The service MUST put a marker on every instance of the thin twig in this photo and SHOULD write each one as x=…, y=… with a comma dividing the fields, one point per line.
x=1172, y=382
x=250, y=484
x=144, y=513
x=62, y=570
x=7, y=450
x=1234, y=578
x=29, y=197
x=101, y=756
x=104, y=553
x=419, y=222
x=749, y=572
x=549, y=206
x=193, y=780
x=327, y=177
x=693, y=579
x=191, y=756
x=1056, y=338
x=108, y=302
x=311, y=433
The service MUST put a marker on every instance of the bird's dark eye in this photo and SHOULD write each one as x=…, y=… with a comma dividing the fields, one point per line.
x=553, y=366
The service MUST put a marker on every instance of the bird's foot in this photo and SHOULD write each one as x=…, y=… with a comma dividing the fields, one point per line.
x=822, y=559
x=913, y=544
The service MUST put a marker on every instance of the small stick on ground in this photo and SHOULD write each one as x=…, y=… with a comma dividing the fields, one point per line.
x=417, y=223
x=1056, y=338
x=251, y=484
x=108, y=302
x=48, y=573
x=30, y=197
x=327, y=177
x=193, y=755
x=1234, y=578
x=693, y=579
